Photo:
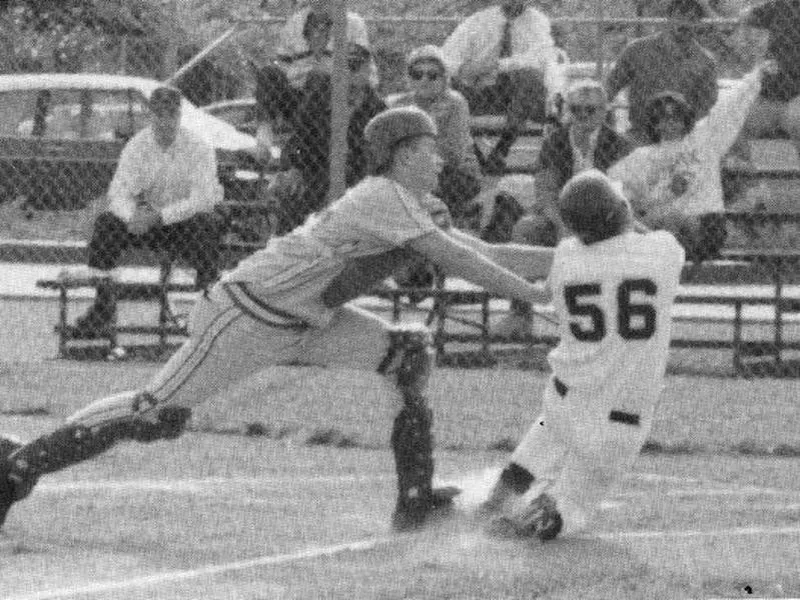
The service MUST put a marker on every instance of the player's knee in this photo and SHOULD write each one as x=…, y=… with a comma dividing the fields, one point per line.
x=409, y=360
x=162, y=423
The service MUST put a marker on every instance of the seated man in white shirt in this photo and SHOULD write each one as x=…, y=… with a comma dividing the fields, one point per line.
x=504, y=61
x=162, y=196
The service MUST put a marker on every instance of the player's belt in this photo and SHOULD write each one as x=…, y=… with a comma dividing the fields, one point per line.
x=618, y=416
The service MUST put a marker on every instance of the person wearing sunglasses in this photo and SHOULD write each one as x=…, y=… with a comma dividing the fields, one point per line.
x=429, y=89
x=505, y=62
x=674, y=182
x=459, y=179
x=583, y=141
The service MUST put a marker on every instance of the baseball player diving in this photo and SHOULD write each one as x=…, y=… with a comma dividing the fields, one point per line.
x=612, y=290
x=288, y=304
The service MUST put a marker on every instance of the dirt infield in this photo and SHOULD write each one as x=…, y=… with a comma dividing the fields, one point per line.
x=234, y=517
x=283, y=489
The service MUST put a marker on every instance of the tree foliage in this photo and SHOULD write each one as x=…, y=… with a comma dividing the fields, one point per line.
x=68, y=35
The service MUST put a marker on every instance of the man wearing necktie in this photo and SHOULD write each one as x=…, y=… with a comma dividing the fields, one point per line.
x=504, y=60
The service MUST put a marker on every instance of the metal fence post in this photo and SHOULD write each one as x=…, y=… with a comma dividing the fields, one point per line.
x=340, y=83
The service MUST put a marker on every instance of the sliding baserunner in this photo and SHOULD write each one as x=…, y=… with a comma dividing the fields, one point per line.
x=613, y=290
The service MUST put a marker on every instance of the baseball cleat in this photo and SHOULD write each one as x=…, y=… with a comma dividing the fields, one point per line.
x=539, y=518
x=8, y=491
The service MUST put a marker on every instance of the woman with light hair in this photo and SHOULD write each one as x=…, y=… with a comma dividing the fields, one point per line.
x=429, y=89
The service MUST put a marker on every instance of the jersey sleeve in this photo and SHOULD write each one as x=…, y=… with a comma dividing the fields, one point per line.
x=390, y=213
x=670, y=249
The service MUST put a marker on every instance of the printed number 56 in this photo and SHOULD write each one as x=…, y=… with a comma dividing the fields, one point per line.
x=629, y=327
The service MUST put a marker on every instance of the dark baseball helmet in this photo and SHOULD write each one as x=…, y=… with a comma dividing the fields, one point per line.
x=593, y=207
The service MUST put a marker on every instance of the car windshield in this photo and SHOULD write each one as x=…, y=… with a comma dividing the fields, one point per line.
x=70, y=114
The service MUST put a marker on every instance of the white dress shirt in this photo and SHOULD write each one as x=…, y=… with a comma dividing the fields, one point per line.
x=179, y=182
x=472, y=51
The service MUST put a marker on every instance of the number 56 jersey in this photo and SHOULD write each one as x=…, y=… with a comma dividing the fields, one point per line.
x=614, y=300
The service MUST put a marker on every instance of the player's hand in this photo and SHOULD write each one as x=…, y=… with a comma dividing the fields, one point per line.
x=145, y=218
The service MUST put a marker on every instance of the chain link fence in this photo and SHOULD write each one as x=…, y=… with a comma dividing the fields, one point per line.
x=265, y=106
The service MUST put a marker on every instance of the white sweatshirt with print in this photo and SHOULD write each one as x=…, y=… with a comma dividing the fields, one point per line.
x=647, y=174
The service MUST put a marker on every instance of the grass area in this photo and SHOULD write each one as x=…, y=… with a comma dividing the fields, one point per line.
x=477, y=409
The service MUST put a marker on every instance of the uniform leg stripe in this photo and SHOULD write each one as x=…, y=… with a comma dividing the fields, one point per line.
x=106, y=415
x=196, y=358
x=256, y=308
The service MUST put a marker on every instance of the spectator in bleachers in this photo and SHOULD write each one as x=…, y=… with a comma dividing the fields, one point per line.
x=307, y=152
x=671, y=60
x=506, y=212
x=304, y=46
x=674, y=182
x=585, y=141
x=162, y=196
x=429, y=89
x=777, y=109
x=503, y=59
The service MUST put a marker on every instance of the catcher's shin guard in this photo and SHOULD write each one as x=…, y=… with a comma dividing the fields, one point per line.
x=91, y=432
x=409, y=362
x=412, y=444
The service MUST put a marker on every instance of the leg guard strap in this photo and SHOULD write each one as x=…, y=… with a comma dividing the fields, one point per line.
x=76, y=442
x=409, y=361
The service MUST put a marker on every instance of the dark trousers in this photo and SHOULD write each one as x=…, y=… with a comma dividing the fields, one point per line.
x=196, y=241
x=275, y=96
x=518, y=95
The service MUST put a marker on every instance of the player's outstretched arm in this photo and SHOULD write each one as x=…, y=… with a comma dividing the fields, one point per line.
x=530, y=262
x=462, y=260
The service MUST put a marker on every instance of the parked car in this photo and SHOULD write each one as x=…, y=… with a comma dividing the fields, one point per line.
x=61, y=136
x=241, y=113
